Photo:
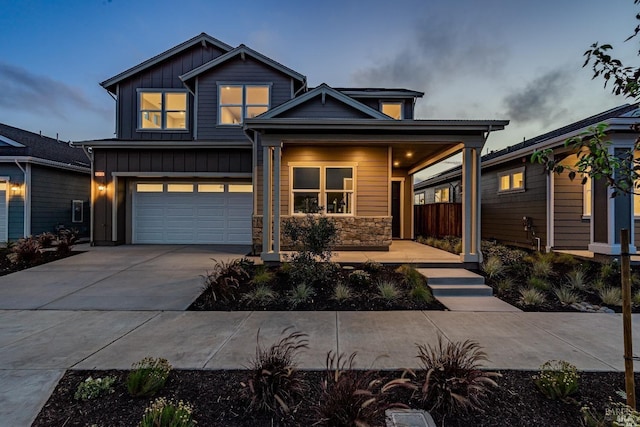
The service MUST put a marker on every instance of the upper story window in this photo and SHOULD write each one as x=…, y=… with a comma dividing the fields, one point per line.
x=511, y=180
x=322, y=187
x=442, y=195
x=586, y=197
x=162, y=110
x=238, y=102
x=392, y=109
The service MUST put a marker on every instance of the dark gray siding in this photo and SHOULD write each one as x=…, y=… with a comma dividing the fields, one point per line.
x=502, y=213
x=164, y=75
x=570, y=230
x=375, y=103
x=51, y=196
x=237, y=71
x=331, y=109
x=16, y=201
x=171, y=160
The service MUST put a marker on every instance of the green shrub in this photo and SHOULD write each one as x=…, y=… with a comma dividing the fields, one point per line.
x=577, y=278
x=532, y=297
x=163, y=413
x=609, y=270
x=493, y=267
x=300, y=294
x=611, y=296
x=372, y=267
x=410, y=276
x=262, y=276
x=542, y=268
x=565, y=259
x=421, y=293
x=222, y=282
x=507, y=255
x=388, y=290
x=313, y=236
x=557, y=379
x=504, y=285
x=359, y=278
x=351, y=397
x=539, y=283
x=148, y=376
x=261, y=295
x=341, y=292
x=566, y=296
x=635, y=299
x=598, y=284
x=92, y=388
x=453, y=379
x=274, y=384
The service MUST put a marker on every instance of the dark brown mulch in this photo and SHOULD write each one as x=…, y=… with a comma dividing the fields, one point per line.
x=364, y=296
x=8, y=267
x=218, y=401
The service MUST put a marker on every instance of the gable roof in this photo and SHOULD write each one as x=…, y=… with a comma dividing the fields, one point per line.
x=550, y=139
x=29, y=144
x=324, y=90
x=242, y=51
x=379, y=92
x=201, y=38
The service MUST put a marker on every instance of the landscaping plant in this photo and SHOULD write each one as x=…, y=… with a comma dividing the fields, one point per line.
x=223, y=280
x=421, y=293
x=167, y=413
x=611, y=296
x=353, y=397
x=341, y=292
x=66, y=239
x=94, y=387
x=453, y=379
x=410, y=276
x=275, y=385
x=261, y=295
x=26, y=251
x=557, y=379
x=615, y=415
x=493, y=267
x=300, y=294
x=577, y=278
x=566, y=296
x=46, y=239
x=532, y=297
x=359, y=278
x=262, y=276
x=388, y=290
x=148, y=376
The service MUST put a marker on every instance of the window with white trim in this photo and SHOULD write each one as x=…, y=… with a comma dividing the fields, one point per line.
x=237, y=102
x=314, y=188
x=441, y=195
x=418, y=199
x=162, y=110
x=586, y=197
x=392, y=109
x=512, y=180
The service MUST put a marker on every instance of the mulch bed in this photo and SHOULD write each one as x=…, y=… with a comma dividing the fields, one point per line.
x=8, y=267
x=218, y=401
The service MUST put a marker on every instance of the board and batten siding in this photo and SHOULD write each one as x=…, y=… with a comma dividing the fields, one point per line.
x=330, y=109
x=372, y=184
x=52, y=193
x=502, y=213
x=570, y=230
x=161, y=76
x=188, y=161
x=235, y=71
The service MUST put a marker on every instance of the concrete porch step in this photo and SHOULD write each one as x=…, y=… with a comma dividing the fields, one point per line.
x=477, y=304
x=453, y=289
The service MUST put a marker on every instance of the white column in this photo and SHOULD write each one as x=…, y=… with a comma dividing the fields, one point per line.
x=267, y=235
x=277, y=157
x=467, y=193
x=477, y=190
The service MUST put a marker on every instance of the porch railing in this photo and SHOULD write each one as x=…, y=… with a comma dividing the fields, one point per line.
x=438, y=220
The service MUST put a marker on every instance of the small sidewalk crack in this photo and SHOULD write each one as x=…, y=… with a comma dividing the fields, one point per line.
x=226, y=340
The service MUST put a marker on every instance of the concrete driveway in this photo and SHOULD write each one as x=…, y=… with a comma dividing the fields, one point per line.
x=132, y=277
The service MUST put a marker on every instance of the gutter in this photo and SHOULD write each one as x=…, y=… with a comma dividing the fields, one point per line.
x=43, y=162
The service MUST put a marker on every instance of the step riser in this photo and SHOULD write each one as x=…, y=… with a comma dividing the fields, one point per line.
x=455, y=281
x=452, y=292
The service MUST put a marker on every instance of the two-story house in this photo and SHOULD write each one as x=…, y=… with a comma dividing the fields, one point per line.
x=219, y=145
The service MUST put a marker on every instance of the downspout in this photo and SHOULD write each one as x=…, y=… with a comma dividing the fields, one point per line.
x=303, y=87
x=27, y=198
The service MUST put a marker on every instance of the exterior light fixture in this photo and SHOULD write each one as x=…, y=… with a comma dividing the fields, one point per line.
x=101, y=187
x=15, y=187
x=409, y=154
x=396, y=163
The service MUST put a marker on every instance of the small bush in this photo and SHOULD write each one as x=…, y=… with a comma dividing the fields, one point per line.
x=565, y=259
x=566, y=296
x=454, y=381
x=352, y=397
x=635, y=299
x=388, y=290
x=421, y=293
x=300, y=294
x=410, y=276
x=542, y=268
x=313, y=236
x=26, y=251
x=163, y=413
x=493, y=267
x=46, y=239
x=532, y=297
x=577, y=278
x=508, y=256
x=341, y=292
x=598, y=284
x=504, y=285
x=539, y=283
x=557, y=379
x=148, y=377
x=274, y=384
x=67, y=238
x=262, y=276
x=372, y=267
x=222, y=282
x=92, y=388
x=359, y=278
x=261, y=295
x=609, y=270
x=611, y=296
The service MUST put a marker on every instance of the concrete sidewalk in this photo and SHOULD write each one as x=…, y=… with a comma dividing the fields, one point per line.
x=37, y=346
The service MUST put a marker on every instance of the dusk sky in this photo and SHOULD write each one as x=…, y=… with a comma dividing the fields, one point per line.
x=493, y=59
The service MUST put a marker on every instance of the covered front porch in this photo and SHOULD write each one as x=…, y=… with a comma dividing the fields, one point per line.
x=402, y=252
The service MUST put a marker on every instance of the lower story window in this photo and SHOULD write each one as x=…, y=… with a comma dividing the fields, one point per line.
x=512, y=180
x=316, y=188
x=442, y=195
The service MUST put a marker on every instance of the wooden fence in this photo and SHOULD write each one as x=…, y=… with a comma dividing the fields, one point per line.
x=438, y=220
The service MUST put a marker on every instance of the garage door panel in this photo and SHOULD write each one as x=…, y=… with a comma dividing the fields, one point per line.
x=207, y=218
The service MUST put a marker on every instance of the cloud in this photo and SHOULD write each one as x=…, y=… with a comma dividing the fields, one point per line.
x=439, y=53
x=541, y=99
x=26, y=91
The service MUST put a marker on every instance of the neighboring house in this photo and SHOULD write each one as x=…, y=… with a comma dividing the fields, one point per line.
x=216, y=144
x=44, y=185
x=523, y=205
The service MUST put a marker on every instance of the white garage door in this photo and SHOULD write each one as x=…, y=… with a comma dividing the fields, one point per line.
x=4, y=228
x=197, y=212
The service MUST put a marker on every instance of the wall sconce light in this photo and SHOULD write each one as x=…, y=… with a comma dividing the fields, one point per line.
x=15, y=187
x=102, y=187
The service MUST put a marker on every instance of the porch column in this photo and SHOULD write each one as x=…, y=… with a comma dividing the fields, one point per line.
x=470, y=206
x=277, y=157
x=272, y=151
x=267, y=202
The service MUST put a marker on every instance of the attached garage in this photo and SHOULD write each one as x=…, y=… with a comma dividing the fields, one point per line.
x=191, y=212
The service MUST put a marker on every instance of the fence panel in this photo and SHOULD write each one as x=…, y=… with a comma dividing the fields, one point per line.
x=438, y=220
